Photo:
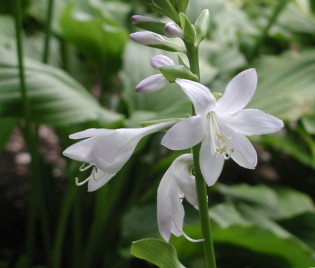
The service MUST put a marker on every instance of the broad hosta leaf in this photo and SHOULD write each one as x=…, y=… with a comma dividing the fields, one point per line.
x=297, y=20
x=286, y=85
x=55, y=97
x=302, y=226
x=258, y=226
x=274, y=202
x=101, y=40
x=157, y=252
x=244, y=235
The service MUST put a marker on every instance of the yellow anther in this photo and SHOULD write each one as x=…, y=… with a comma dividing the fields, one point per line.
x=221, y=137
x=223, y=149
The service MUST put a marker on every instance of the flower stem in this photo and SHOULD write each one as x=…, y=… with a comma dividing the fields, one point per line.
x=37, y=199
x=48, y=31
x=192, y=54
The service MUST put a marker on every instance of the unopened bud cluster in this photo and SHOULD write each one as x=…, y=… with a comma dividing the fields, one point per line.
x=174, y=36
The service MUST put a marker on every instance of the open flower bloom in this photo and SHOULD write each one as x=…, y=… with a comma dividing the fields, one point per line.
x=157, y=81
x=107, y=150
x=176, y=184
x=222, y=126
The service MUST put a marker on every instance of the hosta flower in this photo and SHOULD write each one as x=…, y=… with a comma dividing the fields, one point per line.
x=157, y=81
x=176, y=184
x=222, y=126
x=107, y=150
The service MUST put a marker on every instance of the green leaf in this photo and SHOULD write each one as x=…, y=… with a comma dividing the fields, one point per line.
x=182, y=5
x=289, y=145
x=102, y=41
x=302, y=226
x=309, y=124
x=296, y=20
x=55, y=97
x=157, y=252
x=241, y=232
x=171, y=73
x=274, y=202
x=166, y=8
x=286, y=86
x=189, y=30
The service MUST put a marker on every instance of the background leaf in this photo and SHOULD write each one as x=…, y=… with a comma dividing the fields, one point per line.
x=156, y=251
x=55, y=97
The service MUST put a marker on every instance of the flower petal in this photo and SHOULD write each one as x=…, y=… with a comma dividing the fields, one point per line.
x=167, y=202
x=98, y=178
x=185, y=180
x=238, y=92
x=151, y=84
x=211, y=166
x=244, y=152
x=91, y=132
x=252, y=122
x=185, y=134
x=199, y=95
x=176, y=182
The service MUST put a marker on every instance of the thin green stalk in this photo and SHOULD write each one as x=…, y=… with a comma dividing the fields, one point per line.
x=36, y=195
x=48, y=31
x=192, y=54
x=276, y=12
x=204, y=211
x=62, y=224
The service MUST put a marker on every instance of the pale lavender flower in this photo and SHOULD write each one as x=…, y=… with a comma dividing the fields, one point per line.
x=222, y=126
x=107, y=150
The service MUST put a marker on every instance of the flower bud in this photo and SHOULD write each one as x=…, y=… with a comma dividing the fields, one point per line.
x=171, y=30
x=151, y=39
x=140, y=18
x=151, y=84
x=160, y=61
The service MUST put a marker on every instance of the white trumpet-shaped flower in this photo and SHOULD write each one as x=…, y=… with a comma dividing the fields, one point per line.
x=107, y=150
x=176, y=184
x=222, y=126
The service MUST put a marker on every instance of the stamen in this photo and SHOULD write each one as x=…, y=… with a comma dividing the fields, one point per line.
x=82, y=182
x=191, y=239
x=221, y=137
x=83, y=168
x=219, y=142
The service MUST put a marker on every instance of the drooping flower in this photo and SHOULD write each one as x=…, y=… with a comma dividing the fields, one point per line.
x=176, y=184
x=157, y=81
x=222, y=126
x=107, y=150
